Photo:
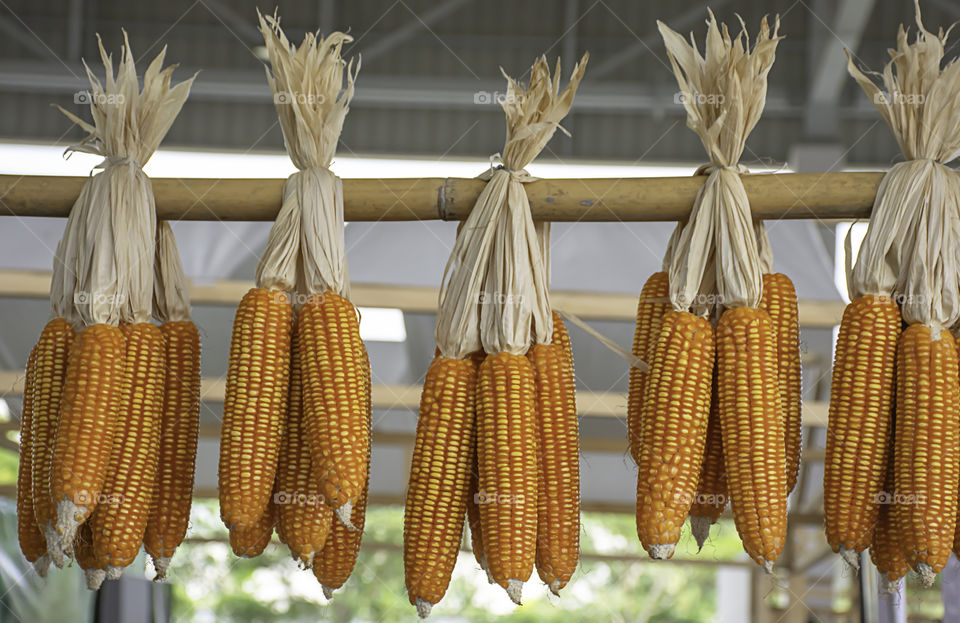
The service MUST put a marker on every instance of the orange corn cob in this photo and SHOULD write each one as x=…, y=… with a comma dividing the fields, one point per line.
x=336, y=418
x=439, y=480
x=884, y=546
x=303, y=519
x=250, y=541
x=861, y=401
x=473, y=514
x=120, y=519
x=653, y=304
x=507, y=457
x=752, y=430
x=676, y=409
x=53, y=350
x=558, y=492
x=927, y=448
x=711, y=496
x=258, y=378
x=94, y=572
x=179, y=425
x=32, y=542
x=780, y=302
x=84, y=441
x=333, y=566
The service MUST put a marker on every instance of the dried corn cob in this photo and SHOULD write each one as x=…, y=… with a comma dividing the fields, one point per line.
x=884, y=546
x=303, y=519
x=676, y=409
x=558, y=492
x=179, y=427
x=473, y=516
x=251, y=540
x=653, y=304
x=507, y=457
x=32, y=542
x=88, y=414
x=861, y=400
x=336, y=421
x=439, y=480
x=711, y=496
x=780, y=302
x=94, y=572
x=752, y=430
x=53, y=350
x=333, y=566
x=120, y=519
x=926, y=448
x=258, y=378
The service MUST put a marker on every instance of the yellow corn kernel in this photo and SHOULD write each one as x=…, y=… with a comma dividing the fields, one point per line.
x=439, y=480
x=653, y=304
x=303, y=519
x=84, y=441
x=558, y=492
x=507, y=458
x=180, y=422
x=120, y=518
x=780, y=302
x=336, y=419
x=751, y=426
x=676, y=409
x=926, y=448
x=258, y=379
x=858, y=428
x=884, y=545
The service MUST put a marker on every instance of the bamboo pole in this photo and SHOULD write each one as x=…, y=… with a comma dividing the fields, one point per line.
x=772, y=196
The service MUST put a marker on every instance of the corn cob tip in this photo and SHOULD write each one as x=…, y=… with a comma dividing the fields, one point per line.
x=327, y=592
x=851, y=557
x=69, y=518
x=768, y=566
x=423, y=608
x=40, y=565
x=343, y=514
x=160, y=566
x=114, y=573
x=514, y=589
x=926, y=573
x=95, y=578
x=306, y=563
x=54, y=546
x=486, y=569
x=700, y=528
x=888, y=586
x=662, y=552
x=555, y=587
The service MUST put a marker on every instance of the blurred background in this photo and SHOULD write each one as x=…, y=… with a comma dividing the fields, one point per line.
x=426, y=106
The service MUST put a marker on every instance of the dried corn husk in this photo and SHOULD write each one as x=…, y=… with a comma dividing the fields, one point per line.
x=109, y=242
x=910, y=248
x=171, y=296
x=312, y=87
x=724, y=92
x=495, y=292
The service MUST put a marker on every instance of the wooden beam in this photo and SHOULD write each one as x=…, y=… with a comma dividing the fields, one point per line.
x=772, y=196
x=418, y=299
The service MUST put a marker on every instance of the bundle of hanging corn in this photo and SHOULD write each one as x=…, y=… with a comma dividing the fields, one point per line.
x=906, y=274
x=295, y=445
x=497, y=431
x=94, y=401
x=714, y=277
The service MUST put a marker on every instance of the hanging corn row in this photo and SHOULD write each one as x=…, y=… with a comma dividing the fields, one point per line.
x=497, y=435
x=88, y=472
x=717, y=415
x=295, y=444
x=906, y=274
